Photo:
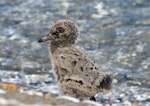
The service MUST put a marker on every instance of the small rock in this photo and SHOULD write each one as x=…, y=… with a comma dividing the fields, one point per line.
x=127, y=103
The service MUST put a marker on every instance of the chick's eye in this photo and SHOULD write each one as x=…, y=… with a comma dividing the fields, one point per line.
x=61, y=30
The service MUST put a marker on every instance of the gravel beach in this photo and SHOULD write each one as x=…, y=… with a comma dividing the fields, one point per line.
x=114, y=33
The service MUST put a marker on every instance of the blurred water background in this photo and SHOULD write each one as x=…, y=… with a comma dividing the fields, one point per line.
x=114, y=33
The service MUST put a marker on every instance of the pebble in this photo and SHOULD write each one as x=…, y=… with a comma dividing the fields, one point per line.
x=69, y=98
x=127, y=103
x=2, y=91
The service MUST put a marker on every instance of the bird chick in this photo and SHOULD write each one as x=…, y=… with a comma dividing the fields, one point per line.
x=77, y=75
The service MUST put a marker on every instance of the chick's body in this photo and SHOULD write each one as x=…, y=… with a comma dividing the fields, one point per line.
x=77, y=75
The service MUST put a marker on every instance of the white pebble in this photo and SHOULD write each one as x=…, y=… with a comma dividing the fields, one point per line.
x=2, y=91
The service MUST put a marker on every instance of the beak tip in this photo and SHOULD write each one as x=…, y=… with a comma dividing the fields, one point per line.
x=40, y=40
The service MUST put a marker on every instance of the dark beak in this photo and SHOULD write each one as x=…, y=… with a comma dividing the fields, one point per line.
x=43, y=39
x=46, y=38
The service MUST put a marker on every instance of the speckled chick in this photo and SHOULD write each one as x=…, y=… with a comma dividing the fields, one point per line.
x=77, y=75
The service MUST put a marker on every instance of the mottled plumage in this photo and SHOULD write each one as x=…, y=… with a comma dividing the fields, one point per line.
x=76, y=73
